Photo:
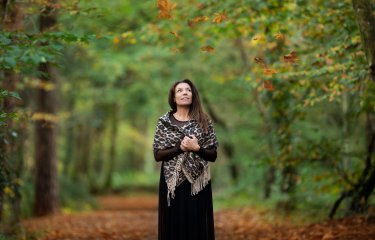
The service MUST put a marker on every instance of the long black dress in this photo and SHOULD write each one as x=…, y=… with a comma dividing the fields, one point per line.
x=188, y=217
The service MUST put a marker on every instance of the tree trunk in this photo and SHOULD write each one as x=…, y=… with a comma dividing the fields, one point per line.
x=112, y=150
x=362, y=190
x=366, y=22
x=46, y=185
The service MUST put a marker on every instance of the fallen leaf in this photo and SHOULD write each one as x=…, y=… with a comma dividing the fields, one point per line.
x=328, y=236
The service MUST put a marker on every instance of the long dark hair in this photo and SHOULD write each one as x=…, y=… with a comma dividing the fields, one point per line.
x=195, y=111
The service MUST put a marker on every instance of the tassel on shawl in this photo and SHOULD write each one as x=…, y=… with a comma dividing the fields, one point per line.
x=201, y=181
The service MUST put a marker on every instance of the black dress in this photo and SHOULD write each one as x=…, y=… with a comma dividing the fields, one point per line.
x=188, y=217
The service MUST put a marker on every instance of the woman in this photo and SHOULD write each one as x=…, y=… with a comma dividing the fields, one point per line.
x=185, y=141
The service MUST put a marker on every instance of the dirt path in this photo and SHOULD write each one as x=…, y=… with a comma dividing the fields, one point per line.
x=135, y=218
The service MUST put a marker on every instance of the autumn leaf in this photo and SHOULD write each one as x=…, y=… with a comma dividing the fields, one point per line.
x=269, y=71
x=165, y=8
x=268, y=85
x=260, y=61
x=220, y=17
x=116, y=40
x=200, y=19
x=45, y=117
x=279, y=36
x=258, y=38
x=191, y=23
x=291, y=58
x=175, y=34
x=207, y=49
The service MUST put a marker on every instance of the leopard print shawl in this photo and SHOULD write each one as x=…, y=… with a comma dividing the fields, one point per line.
x=187, y=165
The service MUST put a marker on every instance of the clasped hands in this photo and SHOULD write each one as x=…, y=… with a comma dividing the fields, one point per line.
x=190, y=144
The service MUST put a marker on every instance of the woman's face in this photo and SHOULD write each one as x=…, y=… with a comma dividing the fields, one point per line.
x=183, y=95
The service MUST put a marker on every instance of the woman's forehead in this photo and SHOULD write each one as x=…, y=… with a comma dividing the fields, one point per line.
x=182, y=85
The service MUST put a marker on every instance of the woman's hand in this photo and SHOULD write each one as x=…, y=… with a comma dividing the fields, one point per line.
x=190, y=144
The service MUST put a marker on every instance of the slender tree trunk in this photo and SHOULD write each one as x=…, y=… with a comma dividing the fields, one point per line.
x=112, y=150
x=82, y=157
x=70, y=142
x=46, y=185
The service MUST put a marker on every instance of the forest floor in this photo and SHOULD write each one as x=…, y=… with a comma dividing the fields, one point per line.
x=135, y=218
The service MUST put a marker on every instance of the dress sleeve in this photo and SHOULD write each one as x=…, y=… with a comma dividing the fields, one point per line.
x=167, y=154
x=208, y=154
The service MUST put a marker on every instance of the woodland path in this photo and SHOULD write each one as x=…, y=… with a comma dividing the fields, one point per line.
x=135, y=218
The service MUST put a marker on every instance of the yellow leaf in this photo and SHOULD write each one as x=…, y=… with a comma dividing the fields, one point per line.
x=45, y=116
x=7, y=190
x=200, y=19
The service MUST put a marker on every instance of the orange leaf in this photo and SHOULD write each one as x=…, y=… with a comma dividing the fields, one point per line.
x=279, y=36
x=269, y=71
x=207, y=49
x=220, y=17
x=165, y=8
x=116, y=40
x=292, y=57
x=268, y=85
x=175, y=34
